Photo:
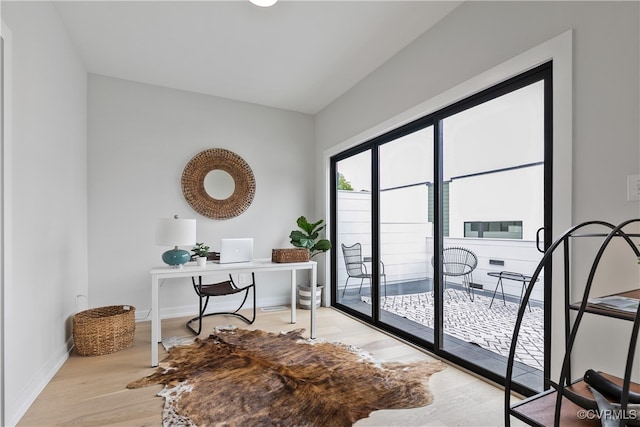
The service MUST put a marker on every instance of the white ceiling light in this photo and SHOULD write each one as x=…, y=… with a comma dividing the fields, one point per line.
x=263, y=3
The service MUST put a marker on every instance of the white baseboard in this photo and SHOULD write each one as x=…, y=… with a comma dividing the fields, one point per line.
x=192, y=310
x=19, y=404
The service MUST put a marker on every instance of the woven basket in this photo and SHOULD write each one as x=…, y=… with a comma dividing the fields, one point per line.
x=290, y=255
x=104, y=330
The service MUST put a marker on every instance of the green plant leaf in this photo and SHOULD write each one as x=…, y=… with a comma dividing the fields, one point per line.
x=308, y=237
x=297, y=235
x=322, y=245
x=306, y=243
x=303, y=224
x=315, y=227
x=300, y=240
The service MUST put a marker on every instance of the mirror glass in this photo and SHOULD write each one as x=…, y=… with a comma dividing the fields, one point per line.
x=219, y=184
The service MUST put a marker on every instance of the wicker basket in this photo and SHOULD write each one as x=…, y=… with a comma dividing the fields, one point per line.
x=290, y=255
x=104, y=330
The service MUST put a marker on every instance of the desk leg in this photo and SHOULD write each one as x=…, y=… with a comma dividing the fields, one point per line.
x=293, y=296
x=314, y=284
x=156, y=333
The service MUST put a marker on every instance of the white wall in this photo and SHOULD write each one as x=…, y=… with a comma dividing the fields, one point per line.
x=479, y=36
x=140, y=139
x=49, y=201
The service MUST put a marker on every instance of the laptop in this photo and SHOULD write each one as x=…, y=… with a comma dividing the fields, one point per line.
x=235, y=250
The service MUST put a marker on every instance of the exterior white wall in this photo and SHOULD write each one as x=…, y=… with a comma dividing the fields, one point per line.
x=403, y=245
x=140, y=139
x=603, y=86
x=49, y=202
x=407, y=247
x=514, y=195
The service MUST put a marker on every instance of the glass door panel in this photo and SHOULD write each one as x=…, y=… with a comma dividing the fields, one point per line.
x=406, y=233
x=493, y=169
x=353, y=221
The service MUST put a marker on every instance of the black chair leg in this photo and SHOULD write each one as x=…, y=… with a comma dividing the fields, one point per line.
x=345, y=286
x=199, y=318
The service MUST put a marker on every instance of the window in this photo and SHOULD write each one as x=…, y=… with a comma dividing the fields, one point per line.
x=493, y=229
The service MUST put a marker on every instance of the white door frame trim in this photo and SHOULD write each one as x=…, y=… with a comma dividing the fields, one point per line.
x=5, y=199
x=559, y=50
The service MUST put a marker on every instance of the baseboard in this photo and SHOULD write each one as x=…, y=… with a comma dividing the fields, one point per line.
x=192, y=310
x=20, y=404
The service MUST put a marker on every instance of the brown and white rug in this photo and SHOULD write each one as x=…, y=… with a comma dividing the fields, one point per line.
x=238, y=377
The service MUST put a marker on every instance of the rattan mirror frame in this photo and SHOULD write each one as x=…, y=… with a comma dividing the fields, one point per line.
x=218, y=159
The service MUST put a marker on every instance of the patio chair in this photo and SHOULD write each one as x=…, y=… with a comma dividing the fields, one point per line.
x=459, y=262
x=357, y=268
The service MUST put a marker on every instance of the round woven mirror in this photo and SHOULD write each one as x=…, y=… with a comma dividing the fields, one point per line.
x=203, y=198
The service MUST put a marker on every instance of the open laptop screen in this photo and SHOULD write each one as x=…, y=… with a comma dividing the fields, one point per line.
x=236, y=250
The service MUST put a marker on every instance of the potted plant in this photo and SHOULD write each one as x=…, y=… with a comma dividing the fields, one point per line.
x=308, y=236
x=200, y=251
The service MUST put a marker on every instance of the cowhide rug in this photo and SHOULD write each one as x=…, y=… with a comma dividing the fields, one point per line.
x=243, y=378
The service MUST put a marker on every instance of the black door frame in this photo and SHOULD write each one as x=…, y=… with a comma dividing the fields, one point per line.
x=539, y=73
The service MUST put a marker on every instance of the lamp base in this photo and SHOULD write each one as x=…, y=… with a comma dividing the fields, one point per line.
x=176, y=257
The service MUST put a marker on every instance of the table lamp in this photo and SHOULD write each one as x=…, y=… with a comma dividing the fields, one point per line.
x=175, y=232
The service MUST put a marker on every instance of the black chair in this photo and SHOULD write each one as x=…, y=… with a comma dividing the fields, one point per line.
x=228, y=287
x=459, y=262
x=356, y=267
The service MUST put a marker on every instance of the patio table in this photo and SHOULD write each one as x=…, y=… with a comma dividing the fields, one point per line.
x=510, y=275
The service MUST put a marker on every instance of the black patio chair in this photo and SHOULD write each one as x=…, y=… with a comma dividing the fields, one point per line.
x=357, y=268
x=459, y=262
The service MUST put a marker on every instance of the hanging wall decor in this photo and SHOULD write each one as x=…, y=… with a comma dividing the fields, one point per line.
x=218, y=184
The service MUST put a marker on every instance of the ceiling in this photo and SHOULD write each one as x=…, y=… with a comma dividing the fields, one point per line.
x=296, y=55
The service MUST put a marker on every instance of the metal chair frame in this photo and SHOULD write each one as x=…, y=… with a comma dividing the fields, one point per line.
x=356, y=267
x=205, y=291
x=459, y=262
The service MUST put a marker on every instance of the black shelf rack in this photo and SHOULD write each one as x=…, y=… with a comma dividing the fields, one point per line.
x=567, y=402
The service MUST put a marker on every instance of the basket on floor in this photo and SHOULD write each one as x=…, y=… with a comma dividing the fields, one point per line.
x=104, y=330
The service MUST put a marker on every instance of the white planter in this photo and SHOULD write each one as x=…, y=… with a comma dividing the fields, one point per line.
x=304, y=296
x=202, y=261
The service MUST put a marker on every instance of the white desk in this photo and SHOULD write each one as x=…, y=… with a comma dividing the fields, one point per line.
x=255, y=266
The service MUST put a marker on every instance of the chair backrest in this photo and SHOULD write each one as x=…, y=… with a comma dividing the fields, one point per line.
x=352, y=258
x=458, y=261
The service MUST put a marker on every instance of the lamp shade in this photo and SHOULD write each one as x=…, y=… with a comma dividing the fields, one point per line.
x=175, y=232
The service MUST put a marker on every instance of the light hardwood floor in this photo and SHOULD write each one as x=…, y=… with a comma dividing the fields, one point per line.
x=91, y=391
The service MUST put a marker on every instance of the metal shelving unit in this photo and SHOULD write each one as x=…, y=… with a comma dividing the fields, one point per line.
x=567, y=402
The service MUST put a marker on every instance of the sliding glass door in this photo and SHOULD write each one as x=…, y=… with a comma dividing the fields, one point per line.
x=353, y=238
x=435, y=227
x=406, y=225
x=493, y=166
